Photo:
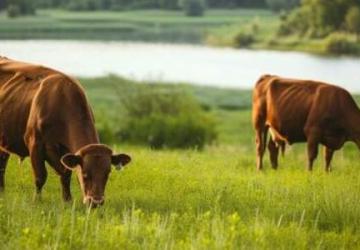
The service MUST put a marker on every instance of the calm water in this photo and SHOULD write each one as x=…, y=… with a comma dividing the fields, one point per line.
x=184, y=63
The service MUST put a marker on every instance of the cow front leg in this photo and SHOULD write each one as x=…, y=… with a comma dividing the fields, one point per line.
x=274, y=154
x=260, y=141
x=4, y=157
x=54, y=156
x=329, y=153
x=65, y=180
x=38, y=166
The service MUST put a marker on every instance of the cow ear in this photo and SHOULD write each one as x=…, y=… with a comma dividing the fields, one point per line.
x=70, y=161
x=120, y=160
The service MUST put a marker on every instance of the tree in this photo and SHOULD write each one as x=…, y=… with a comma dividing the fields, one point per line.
x=278, y=5
x=193, y=7
x=353, y=21
x=20, y=7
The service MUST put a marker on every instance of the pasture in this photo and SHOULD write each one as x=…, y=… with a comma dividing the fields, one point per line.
x=189, y=199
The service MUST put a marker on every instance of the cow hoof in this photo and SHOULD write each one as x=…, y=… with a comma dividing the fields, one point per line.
x=37, y=197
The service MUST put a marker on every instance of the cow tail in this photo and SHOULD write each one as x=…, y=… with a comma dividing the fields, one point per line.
x=265, y=135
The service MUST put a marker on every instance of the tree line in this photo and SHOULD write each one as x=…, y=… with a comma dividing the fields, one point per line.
x=141, y=4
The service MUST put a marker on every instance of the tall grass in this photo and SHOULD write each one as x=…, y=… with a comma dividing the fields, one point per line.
x=187, y=199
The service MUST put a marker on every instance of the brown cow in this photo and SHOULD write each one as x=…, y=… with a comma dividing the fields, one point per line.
x=44, y=114
x=303, y=111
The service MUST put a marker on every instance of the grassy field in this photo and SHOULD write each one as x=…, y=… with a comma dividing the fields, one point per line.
x=143, y=25
x=187, y=199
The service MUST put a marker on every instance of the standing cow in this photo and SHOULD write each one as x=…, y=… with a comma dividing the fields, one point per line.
x=303, y=111
x=44, y=114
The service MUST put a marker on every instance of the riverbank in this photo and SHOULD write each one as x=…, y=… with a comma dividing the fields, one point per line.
x=262, y=35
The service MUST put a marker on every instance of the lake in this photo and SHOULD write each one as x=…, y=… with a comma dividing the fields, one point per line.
x=222, y=67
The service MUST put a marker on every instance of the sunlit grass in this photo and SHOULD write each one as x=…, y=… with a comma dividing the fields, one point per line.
x=174, y=199
x=187, y=199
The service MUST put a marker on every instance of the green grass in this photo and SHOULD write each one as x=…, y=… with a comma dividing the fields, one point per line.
x=143, y=25
x=187, y=199
x=192, y=200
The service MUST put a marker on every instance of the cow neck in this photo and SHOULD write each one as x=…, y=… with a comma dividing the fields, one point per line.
x=81, y=135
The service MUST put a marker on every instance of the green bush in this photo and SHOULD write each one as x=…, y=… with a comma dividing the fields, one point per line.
x=13, y=11
x=294, y=23
x=106, y=127
x=279, y=5
x=193, y=7
x=339, y=43
x=243, y=39
x=164, y=118
x=79, y=5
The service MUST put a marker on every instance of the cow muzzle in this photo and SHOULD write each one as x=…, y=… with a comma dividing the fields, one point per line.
x=94, y=201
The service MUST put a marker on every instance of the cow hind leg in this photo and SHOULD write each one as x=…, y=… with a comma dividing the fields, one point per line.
x=261, y=135
x=329, y=153
x=274, y=154
x=4, y=157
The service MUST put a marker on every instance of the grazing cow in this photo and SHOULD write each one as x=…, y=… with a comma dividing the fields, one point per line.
x=303, y=111
x=44, y=114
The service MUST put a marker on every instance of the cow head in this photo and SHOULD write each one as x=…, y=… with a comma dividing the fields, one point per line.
x=93, y=165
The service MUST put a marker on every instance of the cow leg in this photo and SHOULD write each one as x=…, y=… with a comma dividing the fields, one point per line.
x=38, y=165
x=274, y=153
x=4, y=157
x=329, y=153
x=313, y=150
x=261, y=135
x=65, y=174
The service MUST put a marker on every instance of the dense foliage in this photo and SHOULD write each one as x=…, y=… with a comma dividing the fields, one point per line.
x=318, y=18
x=19, y=7
x=164, y=118
x=353, y=20
x=193, y=7
x=278, y=5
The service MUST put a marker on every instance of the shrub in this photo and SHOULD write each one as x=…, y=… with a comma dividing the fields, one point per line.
x=164, y=118
x=294, y=23
x=106, y=126
x=244, y=39
x=339, y=43
x=278, y=5
x=193, y=7
x=80, y=5
x=13, y=11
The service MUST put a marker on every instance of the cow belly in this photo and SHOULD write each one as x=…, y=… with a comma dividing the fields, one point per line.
x=12, y=130
x=288, y=135
x=13, y=145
